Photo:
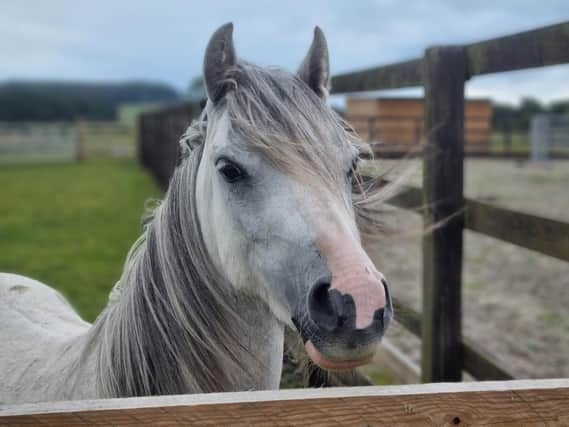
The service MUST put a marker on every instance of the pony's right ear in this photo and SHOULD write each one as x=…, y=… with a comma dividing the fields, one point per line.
x=219, y=56
x=315, y=69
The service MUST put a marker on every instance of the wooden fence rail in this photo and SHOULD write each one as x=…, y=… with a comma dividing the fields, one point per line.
x=536, y=48
x=508, y=403
x=443, y=72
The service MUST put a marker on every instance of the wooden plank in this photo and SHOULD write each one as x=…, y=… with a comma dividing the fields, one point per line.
x=508, y=403
x=536, y=48
x=410, y=198
x=480, y=365
x=443, y=177
x=397, y=363
x=407, y=197
x=408, y=317
x=402, y=74
x=543, y=235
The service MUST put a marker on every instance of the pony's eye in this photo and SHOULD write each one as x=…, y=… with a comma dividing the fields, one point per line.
x=230, y=171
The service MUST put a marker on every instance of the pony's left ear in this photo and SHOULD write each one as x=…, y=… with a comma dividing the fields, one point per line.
x=219, y=56
x=315, y=69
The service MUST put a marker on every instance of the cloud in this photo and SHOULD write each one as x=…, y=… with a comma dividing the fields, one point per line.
x=109, y=40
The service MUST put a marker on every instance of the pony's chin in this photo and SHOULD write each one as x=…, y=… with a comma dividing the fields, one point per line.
x=334, y=365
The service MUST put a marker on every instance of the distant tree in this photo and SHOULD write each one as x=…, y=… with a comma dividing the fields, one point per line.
x=196, y=90
x=559, y=107
x=503, y=117
x=67, y=101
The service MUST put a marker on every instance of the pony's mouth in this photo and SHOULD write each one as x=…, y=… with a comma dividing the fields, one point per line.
x=334, y=365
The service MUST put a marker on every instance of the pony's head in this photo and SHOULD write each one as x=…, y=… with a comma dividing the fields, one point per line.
x=277, y=209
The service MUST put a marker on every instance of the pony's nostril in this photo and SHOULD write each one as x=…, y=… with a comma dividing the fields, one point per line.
x=322, y=306
x=330, y=309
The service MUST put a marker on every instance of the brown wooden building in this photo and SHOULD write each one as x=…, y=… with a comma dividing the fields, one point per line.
x=396, y=124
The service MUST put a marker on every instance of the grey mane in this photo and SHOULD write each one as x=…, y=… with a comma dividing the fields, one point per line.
x=173, y=328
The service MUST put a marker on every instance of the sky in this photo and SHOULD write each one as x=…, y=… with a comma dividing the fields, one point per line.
x=165, y=40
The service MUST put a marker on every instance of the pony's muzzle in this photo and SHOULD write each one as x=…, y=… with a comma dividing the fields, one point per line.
x=331, y=335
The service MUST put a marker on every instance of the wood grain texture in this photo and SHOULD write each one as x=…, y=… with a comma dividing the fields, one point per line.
x=515, y=403
x=402, y=74
x=544, y=235
x=389, y=357
x=158, y=138
x=476, y=362
x=443, y=177
x=547, y=236
x=535, y=48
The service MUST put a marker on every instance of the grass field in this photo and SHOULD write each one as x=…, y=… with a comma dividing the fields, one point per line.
x=71, y=225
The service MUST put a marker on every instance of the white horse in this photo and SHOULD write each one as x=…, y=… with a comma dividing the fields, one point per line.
x=260, y=229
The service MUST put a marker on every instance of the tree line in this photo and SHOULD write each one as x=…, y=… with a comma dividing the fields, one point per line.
x=510, y=118
x=68, y=101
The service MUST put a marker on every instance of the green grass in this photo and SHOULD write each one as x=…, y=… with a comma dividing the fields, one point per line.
x=519, y=142
x=71, y=225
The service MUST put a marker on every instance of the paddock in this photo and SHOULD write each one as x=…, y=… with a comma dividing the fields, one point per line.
x=445, y=353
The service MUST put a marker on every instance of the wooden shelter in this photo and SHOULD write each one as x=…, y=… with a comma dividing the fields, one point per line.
x=397, y=124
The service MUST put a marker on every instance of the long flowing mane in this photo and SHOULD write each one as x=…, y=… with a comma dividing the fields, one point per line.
x=170, y=325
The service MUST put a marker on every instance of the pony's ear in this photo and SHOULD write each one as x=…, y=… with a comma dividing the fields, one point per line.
x=219, y=56
x=315, y=69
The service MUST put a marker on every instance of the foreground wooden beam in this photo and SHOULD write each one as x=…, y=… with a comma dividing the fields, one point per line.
x=536, y=402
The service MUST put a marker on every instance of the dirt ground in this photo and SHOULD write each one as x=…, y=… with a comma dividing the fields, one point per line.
x=515, y=301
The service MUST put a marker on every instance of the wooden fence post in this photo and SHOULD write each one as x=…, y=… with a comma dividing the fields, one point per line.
x=444, y=76
x=80, y=148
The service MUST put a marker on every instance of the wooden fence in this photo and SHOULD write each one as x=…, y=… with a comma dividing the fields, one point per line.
x=104, y=140
x=158, y=135
x=443, y=72
x=507, y=403
x=37, y=142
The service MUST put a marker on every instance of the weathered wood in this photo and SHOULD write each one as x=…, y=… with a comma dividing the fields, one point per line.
x=536, y=48
x=410, y=198
x=509, y=403
x=397, y=363
x=402, y=74
x=406, y=197
x=158, y=138
x=543, y=235
x=480, y=365
x=476, y=362
x=443, y=199
x=408, y=317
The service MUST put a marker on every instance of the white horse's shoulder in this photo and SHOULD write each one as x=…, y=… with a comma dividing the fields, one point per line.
x=33, y=304
x=37, y=329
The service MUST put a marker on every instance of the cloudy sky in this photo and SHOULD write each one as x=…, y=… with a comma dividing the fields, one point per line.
x=164, y=40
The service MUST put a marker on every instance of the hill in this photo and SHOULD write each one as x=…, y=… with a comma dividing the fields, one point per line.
x=67, y=101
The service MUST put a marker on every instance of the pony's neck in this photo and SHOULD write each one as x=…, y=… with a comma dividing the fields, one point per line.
x=176, y=326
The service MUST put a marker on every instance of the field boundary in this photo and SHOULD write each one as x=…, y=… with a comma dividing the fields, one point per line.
x=532, y=402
